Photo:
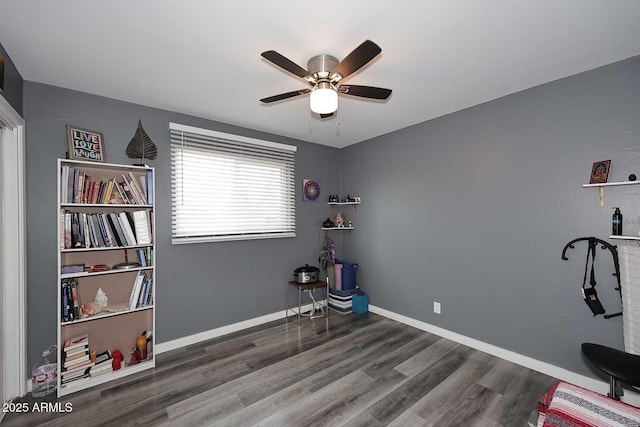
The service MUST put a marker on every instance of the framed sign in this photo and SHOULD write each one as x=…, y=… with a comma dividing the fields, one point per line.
x=310, y=190
x=600, y=172
x=85, y=144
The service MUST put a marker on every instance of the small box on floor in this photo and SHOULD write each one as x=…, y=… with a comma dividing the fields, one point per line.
x=340, y=300
x=360, y=303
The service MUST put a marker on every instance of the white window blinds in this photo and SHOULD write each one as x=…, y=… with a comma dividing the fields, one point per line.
x=228, y=187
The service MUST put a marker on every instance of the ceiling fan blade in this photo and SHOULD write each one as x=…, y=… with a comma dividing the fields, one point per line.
x=358, y=58
x=324, y=116
x=285, y=63
x=365, y=91
x=287, y=95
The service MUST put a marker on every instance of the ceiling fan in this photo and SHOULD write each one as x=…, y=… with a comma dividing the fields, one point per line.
x=324, y=74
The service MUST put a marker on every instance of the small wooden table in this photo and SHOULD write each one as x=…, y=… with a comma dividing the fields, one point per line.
x=303, y=287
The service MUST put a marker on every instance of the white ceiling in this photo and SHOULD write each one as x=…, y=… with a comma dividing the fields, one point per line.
x=203, y=57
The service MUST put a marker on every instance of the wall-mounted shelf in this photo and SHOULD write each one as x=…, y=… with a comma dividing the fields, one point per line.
x=625, y=237
x=608, y=184
x=349, y=229
x=337, y=228
x=354, y=204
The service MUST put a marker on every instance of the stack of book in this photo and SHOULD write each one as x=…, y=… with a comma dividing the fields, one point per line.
x=141, y=292
x=77, y=362
x=103, y=364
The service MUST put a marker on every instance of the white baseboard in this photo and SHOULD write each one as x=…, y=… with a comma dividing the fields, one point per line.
x=224, y=330
x=519, y=359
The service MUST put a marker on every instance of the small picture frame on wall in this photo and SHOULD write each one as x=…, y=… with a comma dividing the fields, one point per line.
x=310, y=190
x=600, y=172
x=85, y=144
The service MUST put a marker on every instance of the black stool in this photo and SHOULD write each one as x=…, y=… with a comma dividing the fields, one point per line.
x=620, y=366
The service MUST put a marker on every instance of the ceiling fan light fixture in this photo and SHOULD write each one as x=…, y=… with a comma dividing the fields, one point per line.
x=323, y=99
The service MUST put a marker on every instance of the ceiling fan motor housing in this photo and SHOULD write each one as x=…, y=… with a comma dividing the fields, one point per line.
x=321, y=66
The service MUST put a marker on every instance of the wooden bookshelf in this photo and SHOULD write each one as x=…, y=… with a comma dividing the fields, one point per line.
x=92, y=231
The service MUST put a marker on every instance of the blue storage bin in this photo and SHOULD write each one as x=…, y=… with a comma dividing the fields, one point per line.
x=360, y=304
x=349, y=275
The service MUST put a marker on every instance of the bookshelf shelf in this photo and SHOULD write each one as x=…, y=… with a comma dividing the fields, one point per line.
x=104, y=315
x=108, y=248
x=102, y=273
x=106, y=216
x=104, y=378
x=104, y=205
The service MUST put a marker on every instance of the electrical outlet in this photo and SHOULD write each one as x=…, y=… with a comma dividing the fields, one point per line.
x=436, y=307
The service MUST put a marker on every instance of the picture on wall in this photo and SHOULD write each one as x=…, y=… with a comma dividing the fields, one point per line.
x=85, y=144
x=600, y=172
x=310, y=190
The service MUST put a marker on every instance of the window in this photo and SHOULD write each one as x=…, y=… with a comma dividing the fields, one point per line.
x=228, y=187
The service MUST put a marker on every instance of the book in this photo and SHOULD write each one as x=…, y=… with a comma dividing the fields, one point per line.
x=80, y=360
x=149, y=178
x=142, y=200
x=148, y=253
x=123, y=194
x=64, y=183
x=115, y=198
x=126, y=227
x=73, y=374
x=67, y=290
x=113, y=218
x=65, y=302
x=95, y=192
x=102, y=357
x=112, y=229
x=75, y=363
x=70, y=176
x=89, y=191
x=135, y=290
x=84, y=349
x=97, y=230
x=73, y=284
x=149, y=294
x=103, y=364
x=85, y=221
x=141, y=225
x=142, y=257
x=134, y=195
x=85, y=373
x=105, y=368
x=77, y=341
x=75, y=231
x=127, y=190
x=76, y=178
x=68, y=357
x=107, y=193
x=72, y=268
x=104, y=231
x=142, y=297
x=67, y=230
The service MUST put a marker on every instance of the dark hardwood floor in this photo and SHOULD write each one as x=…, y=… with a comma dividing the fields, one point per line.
x=354, y=370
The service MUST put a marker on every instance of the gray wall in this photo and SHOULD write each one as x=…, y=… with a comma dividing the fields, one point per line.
x=13, y=82
x=473, y=210
x=200, y=286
